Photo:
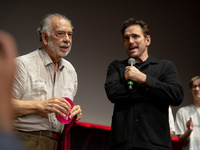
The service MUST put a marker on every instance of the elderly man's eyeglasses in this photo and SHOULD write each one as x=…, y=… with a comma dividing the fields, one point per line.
x=195, y=86
x=63, y=34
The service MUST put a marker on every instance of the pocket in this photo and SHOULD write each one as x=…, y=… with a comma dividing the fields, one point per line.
x=39, y=90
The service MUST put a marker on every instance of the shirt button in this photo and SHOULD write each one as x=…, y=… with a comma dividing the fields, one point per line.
x=54, y=123
x=137, y=120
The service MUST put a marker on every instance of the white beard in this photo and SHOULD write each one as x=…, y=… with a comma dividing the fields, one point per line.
x=57, y=49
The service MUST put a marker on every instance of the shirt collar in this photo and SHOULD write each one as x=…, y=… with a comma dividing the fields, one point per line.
x=149, y=60
x=47, y=60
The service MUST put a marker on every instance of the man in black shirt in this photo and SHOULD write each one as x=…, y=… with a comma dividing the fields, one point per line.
x=140, y=117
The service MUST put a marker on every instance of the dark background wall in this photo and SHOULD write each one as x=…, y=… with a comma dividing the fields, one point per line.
x=97, y=41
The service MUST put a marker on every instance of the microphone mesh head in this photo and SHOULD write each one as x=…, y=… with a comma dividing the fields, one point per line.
x=131, y=61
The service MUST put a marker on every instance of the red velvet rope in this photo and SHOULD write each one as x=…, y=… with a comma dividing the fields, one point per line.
x=92, y=125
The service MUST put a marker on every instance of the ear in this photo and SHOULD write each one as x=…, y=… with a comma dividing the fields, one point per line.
x=44, y=38
x=148, y=40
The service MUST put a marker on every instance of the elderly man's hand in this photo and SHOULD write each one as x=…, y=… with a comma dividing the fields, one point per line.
x=76, y=111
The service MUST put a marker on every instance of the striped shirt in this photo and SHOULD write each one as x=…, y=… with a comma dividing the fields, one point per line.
x=34, y=80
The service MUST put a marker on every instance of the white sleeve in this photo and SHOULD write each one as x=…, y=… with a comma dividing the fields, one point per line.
x=180, y=125
x=171, y=120
x=19, y=81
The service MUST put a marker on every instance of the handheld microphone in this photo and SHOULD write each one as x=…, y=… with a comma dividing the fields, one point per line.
x=131, y=62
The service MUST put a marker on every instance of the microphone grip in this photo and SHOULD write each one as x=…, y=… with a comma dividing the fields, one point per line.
x=131, y=62
x=130, y=84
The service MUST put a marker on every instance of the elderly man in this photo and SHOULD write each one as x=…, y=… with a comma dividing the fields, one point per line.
x=42, y=78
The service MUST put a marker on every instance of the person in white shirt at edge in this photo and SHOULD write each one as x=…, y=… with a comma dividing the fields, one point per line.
x=171, y=123
x=41, y=81
x=187, y=122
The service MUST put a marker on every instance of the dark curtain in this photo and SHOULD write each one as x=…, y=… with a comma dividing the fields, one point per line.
x=83, y=138
x=91, y=138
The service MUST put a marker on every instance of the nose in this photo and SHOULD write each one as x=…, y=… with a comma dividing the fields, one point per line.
x=131, y=40
x=66, y=38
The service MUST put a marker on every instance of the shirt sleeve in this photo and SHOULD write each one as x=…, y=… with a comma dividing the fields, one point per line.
x=116, y=85
x=75, y=84
x=162, y=84
x=165, y=84
x=179, y=123
x=19, y=80
x=171, y=120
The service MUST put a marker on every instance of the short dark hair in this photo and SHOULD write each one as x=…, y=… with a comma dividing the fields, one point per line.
x=192, y=81
x=133, y=21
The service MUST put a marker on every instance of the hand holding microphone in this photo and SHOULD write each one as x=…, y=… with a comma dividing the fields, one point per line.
x=134, y=74
x=131, y=62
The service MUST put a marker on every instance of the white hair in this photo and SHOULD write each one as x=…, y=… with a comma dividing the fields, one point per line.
x=45, y=24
